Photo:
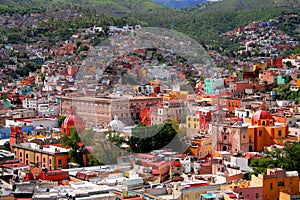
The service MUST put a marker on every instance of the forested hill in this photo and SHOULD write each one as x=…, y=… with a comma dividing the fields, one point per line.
x=208, y=20
x=244, y=5
x=109, y=7
x=179, y=3
x=203, y=22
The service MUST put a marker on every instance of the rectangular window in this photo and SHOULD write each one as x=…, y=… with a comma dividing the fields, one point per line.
x=59, y=162
x=260, y=133
x=44, y=160
x=257, y=195
x=26, y=155
x=279, y=133
x=280, y=183
x=271, y=186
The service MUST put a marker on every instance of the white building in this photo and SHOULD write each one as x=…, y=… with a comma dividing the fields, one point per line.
x=46, y=123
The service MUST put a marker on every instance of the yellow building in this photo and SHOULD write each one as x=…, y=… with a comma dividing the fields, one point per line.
x=201, y=146
x=192, y=124
x=38, y=78
x=276, y=181
x=264, y=132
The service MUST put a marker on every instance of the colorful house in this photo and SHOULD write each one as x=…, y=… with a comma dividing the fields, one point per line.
x=212, y=84
x=201, y=146
x=275, y=181
x=283, y=79
x=47, y=156
x=264, y=132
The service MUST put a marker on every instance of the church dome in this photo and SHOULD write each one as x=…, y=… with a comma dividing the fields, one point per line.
x=262, y=115
x=72, y=121
x=116, y=124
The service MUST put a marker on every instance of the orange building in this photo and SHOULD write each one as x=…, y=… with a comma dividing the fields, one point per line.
x=201, y=146
x=276, y=181
x=48, y=156
x=264, y=132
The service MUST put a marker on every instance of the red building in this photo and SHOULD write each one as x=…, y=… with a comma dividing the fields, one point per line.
x=240, y=87
x=16, y=135
x=72, y=121
x=205, y=117
x=145, y=116
x=269, y=76
x=278, y=62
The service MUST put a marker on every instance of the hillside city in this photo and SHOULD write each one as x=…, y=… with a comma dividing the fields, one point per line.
x=130, y=112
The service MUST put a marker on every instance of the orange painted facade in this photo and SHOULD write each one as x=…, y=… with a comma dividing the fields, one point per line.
x=201, y=147
x=276, y=181
x=263, y=131
x=231, y=104
x=50, y=160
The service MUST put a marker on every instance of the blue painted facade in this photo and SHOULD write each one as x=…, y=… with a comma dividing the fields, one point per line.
x=5, y=132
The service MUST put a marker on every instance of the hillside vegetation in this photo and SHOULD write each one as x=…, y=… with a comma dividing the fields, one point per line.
x=203, y=22
x=180, y=3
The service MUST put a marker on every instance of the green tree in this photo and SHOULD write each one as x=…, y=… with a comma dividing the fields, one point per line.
x=61, y=120
x=287, y=158
x=4, y=96
x=7, y=146
x=146, y=139
x=73, y=141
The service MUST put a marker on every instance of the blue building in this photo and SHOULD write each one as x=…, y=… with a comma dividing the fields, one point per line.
x=5, y=132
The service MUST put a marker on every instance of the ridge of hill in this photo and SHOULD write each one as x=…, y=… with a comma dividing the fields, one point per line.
x=179, y=4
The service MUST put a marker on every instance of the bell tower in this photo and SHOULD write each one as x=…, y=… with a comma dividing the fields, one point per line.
x=16, y=135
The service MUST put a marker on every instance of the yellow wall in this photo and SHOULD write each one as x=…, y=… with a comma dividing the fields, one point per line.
x=203, y=148
x=192, y=122
x=265, y=139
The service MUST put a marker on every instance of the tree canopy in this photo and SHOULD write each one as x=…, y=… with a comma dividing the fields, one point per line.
x=147, y=139
x=287, y=158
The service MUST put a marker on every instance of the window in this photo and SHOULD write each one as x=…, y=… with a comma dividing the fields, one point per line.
x=225, y=137
x=279, y=133
x=271, y=186
x=44, y=160
x=260, y=133
x=59, y=162
x=263, y=123
x=257, y=195
x=26, y=155
x=50, y=161
x=280, y=183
